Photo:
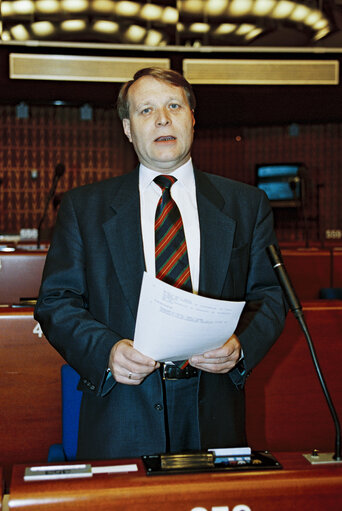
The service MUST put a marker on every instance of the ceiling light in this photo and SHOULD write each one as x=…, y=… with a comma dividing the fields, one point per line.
x=5, y=36
x=20, y=33
x=126, y=8
x=225, y=28
x=135, y=34
x=253, y=33
x=240, y=8
x=299, y=13
x=244, y=28
x=216, y=7
x=151, y=12
x=283, y=9
x=313, y=17
x=153, y=38
x=6, y=9
x=106, y=26
x=192, y=6
x=48, y=6
x=263, y=7
x=42, y=28
x=199, y=28
x=322, y=23
x=23, y=7
x=75, y=5
x=322, y=33
x=103, y=6
x=169, y=15
x=73, y=25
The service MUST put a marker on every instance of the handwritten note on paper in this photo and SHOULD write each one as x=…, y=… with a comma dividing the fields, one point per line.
x=173, y=324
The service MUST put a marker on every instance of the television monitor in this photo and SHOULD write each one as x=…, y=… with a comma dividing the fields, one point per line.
x=282, y=182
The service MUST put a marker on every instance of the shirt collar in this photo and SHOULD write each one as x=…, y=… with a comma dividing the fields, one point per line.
x=184, y=174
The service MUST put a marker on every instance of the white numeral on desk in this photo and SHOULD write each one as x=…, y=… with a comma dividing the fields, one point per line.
x=38, y=331
x=238, y=507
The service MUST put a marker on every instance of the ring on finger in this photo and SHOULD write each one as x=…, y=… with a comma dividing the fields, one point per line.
x=129, y=375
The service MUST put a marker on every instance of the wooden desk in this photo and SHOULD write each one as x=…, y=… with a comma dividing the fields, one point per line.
x=1, y=487
x=20, y=275
x=337, y=267
x=299, y=486
x=309, y=270
x=286, y=409
x=30, y=412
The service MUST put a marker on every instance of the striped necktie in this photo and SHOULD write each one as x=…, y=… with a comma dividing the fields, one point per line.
x=172, y=263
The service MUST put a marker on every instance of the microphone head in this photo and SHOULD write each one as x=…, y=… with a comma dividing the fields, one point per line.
x=60, y=169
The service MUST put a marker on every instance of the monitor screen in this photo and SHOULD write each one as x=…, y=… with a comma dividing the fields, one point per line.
x=281, y=182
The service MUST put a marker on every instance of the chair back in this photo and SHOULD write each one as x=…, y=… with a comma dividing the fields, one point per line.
x=71, y=404
x=330, y=293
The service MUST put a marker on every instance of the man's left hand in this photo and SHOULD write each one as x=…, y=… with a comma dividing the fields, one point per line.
x=221, y=360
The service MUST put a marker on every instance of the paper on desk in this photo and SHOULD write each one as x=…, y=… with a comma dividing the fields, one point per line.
x=173, y=324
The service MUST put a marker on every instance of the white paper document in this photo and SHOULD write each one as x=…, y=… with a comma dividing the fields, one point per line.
x=173, y=324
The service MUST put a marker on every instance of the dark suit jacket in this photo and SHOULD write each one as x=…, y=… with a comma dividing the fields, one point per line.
x=89, y=299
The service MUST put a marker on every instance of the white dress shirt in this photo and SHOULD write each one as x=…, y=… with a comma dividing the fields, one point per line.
x=183, y=192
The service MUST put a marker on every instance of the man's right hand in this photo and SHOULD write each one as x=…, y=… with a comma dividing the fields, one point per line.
x=128, y=365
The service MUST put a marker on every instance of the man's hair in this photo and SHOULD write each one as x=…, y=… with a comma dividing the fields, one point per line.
x=164, y=75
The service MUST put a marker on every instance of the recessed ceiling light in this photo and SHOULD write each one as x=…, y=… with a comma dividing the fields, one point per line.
x=135, y=34
x=75, y=5
x=299, y=13
x=127, y=8
x=23, y=7
x=282, y=9
x=20, y=33
x=240, y=8
x=153, y=38
x=73, y=25
x=48, y=6
x=103, y=6
x=225, y=28
x=151, y=12
x=105, y=26
x=169, y=15
x=42, y=28
x=244, y=28
x=216, y=7
x=263, y=7
x=199, y=28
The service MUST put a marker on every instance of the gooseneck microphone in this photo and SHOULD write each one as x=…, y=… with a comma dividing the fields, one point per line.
x=296, y=307
x=59, y=171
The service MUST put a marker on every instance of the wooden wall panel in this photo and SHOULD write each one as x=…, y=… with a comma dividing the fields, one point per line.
x=97, y=149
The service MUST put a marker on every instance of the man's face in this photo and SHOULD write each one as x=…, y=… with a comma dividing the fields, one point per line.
x=160, y=124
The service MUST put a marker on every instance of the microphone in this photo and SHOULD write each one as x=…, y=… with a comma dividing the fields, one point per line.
x=292, y=182
x=275, y=257
x=59, y=171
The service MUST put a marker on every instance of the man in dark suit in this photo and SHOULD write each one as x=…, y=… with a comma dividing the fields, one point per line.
x=102, y=244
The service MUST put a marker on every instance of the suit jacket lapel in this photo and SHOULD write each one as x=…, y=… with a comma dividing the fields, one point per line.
x=123, y=233
x=217, y=236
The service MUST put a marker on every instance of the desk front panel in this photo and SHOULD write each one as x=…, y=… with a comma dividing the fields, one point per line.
x=30, y=412
x=20, y=275
x=337, y=267
x=299, y=486
x=286, y=409
x=309, y=270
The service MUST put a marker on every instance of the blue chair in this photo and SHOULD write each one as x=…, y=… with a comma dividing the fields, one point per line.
x=330, y=293
x=71, y=403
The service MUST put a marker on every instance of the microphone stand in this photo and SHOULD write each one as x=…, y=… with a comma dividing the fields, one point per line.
x=59, y=171
x=296, y=307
